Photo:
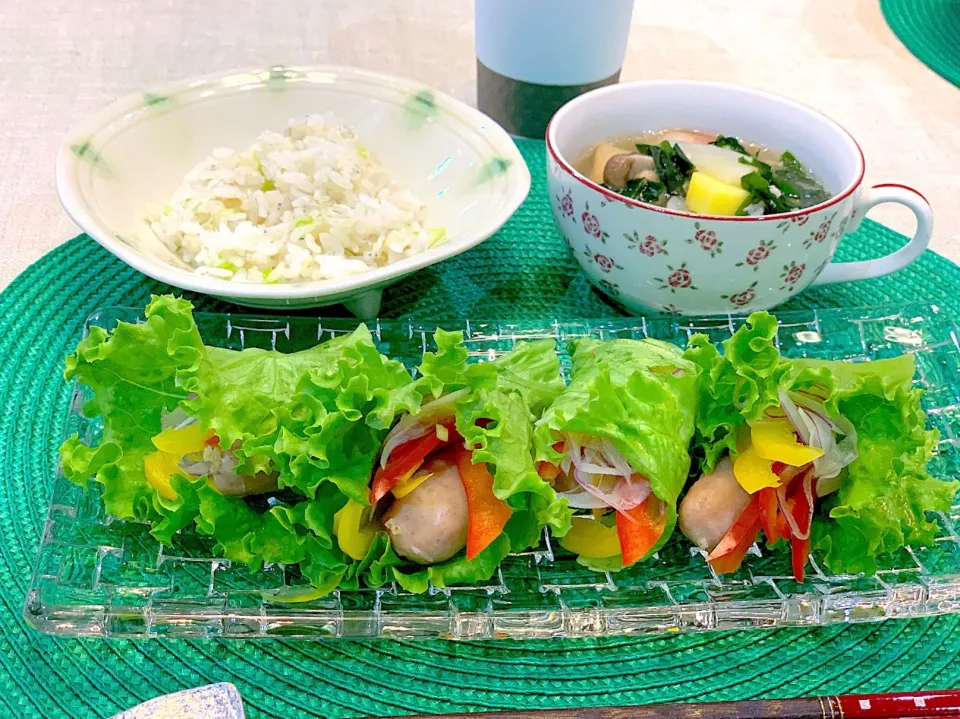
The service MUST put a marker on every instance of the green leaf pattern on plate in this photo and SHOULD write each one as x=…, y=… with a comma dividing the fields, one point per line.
x=85, y=152
x=493, y=168
x=420, y=109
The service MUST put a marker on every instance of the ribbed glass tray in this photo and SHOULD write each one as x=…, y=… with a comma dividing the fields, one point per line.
x=99, y=576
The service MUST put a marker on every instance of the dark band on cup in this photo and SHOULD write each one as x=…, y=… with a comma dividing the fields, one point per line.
x=525, y=108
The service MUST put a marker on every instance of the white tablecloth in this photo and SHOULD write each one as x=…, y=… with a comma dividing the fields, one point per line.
x=63, y=59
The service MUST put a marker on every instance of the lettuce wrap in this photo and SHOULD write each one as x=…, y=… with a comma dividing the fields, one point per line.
x=486, y=411
x=618, y=439
x=832, y=455
x=146, y=378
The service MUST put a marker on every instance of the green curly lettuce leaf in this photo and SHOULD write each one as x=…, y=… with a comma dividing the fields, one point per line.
x=299, y=412
x=299, y=534
x=641, y=396
x=458, y=570
x=883, y=503
x=504, y=440
x=734, y=387
x=135, y=374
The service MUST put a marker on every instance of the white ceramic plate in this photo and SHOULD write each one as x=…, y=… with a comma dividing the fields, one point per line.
x=458, y=161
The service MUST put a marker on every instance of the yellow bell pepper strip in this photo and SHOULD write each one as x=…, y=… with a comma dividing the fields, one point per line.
x=753, y=472
x=354, y=533
x=182, y=441
x=639, y=529
x=409, y=482
x=728, y=555
x=777, y=441
x=591, y=539
x=159, y=467
x=487, y=515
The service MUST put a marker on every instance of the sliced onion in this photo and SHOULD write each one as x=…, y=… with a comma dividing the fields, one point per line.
x=581, y=499
x=811, y=503
x=197, y=469
x=836, y=455
x=414, y=426
x=624, y=496
x=612, y=454
x=785, y=509
x=600, y=454
x=595, y=462
x=795, y=416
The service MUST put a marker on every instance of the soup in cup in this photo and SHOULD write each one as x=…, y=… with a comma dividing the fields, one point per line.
x=636, y=213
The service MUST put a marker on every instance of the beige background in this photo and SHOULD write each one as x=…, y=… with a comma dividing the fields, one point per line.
x=63, y=59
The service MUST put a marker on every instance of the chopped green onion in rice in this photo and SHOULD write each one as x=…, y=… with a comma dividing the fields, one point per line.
x=310, y=204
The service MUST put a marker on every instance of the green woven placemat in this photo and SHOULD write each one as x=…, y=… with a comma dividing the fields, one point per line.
x=931, y=30
x=523, y=272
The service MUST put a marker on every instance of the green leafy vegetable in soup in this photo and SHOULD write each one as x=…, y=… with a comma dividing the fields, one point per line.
x=704, y=174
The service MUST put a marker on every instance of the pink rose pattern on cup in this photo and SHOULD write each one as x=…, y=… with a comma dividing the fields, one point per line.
x=743, y=298
x=707, y=239
x=649, y=246
x=758, y=254
x=791, y=274
x=565, y=203
x=681, y=279
x=591, y=225
x=678, y=279
x=820, y=236
x=604, y=262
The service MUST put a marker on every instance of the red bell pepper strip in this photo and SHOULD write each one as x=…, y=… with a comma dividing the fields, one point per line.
x=769, y=506
x=729, y=554
x=213, y=441
x=639, y=529
x=407, y=457
x=487, y=514
x=803, y=514
x=800, y=553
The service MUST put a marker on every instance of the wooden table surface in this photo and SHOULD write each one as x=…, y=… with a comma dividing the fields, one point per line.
x=61, y=60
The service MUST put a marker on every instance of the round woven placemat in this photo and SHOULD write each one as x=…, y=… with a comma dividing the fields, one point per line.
x=931, y=30
x=524, y=272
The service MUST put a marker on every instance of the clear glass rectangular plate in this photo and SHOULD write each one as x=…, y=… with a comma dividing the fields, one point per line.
x=99, y=576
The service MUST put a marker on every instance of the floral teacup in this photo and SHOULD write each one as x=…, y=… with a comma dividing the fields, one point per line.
x=648, y=257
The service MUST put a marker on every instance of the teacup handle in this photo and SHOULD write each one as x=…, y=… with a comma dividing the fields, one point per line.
x=865, y=269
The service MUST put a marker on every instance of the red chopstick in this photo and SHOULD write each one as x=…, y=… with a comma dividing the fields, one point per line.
x=908, y=705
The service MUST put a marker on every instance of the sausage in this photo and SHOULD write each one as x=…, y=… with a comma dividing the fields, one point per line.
x=429, y=525
x=712, y=506
x=701, y=138
x=220, y=466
